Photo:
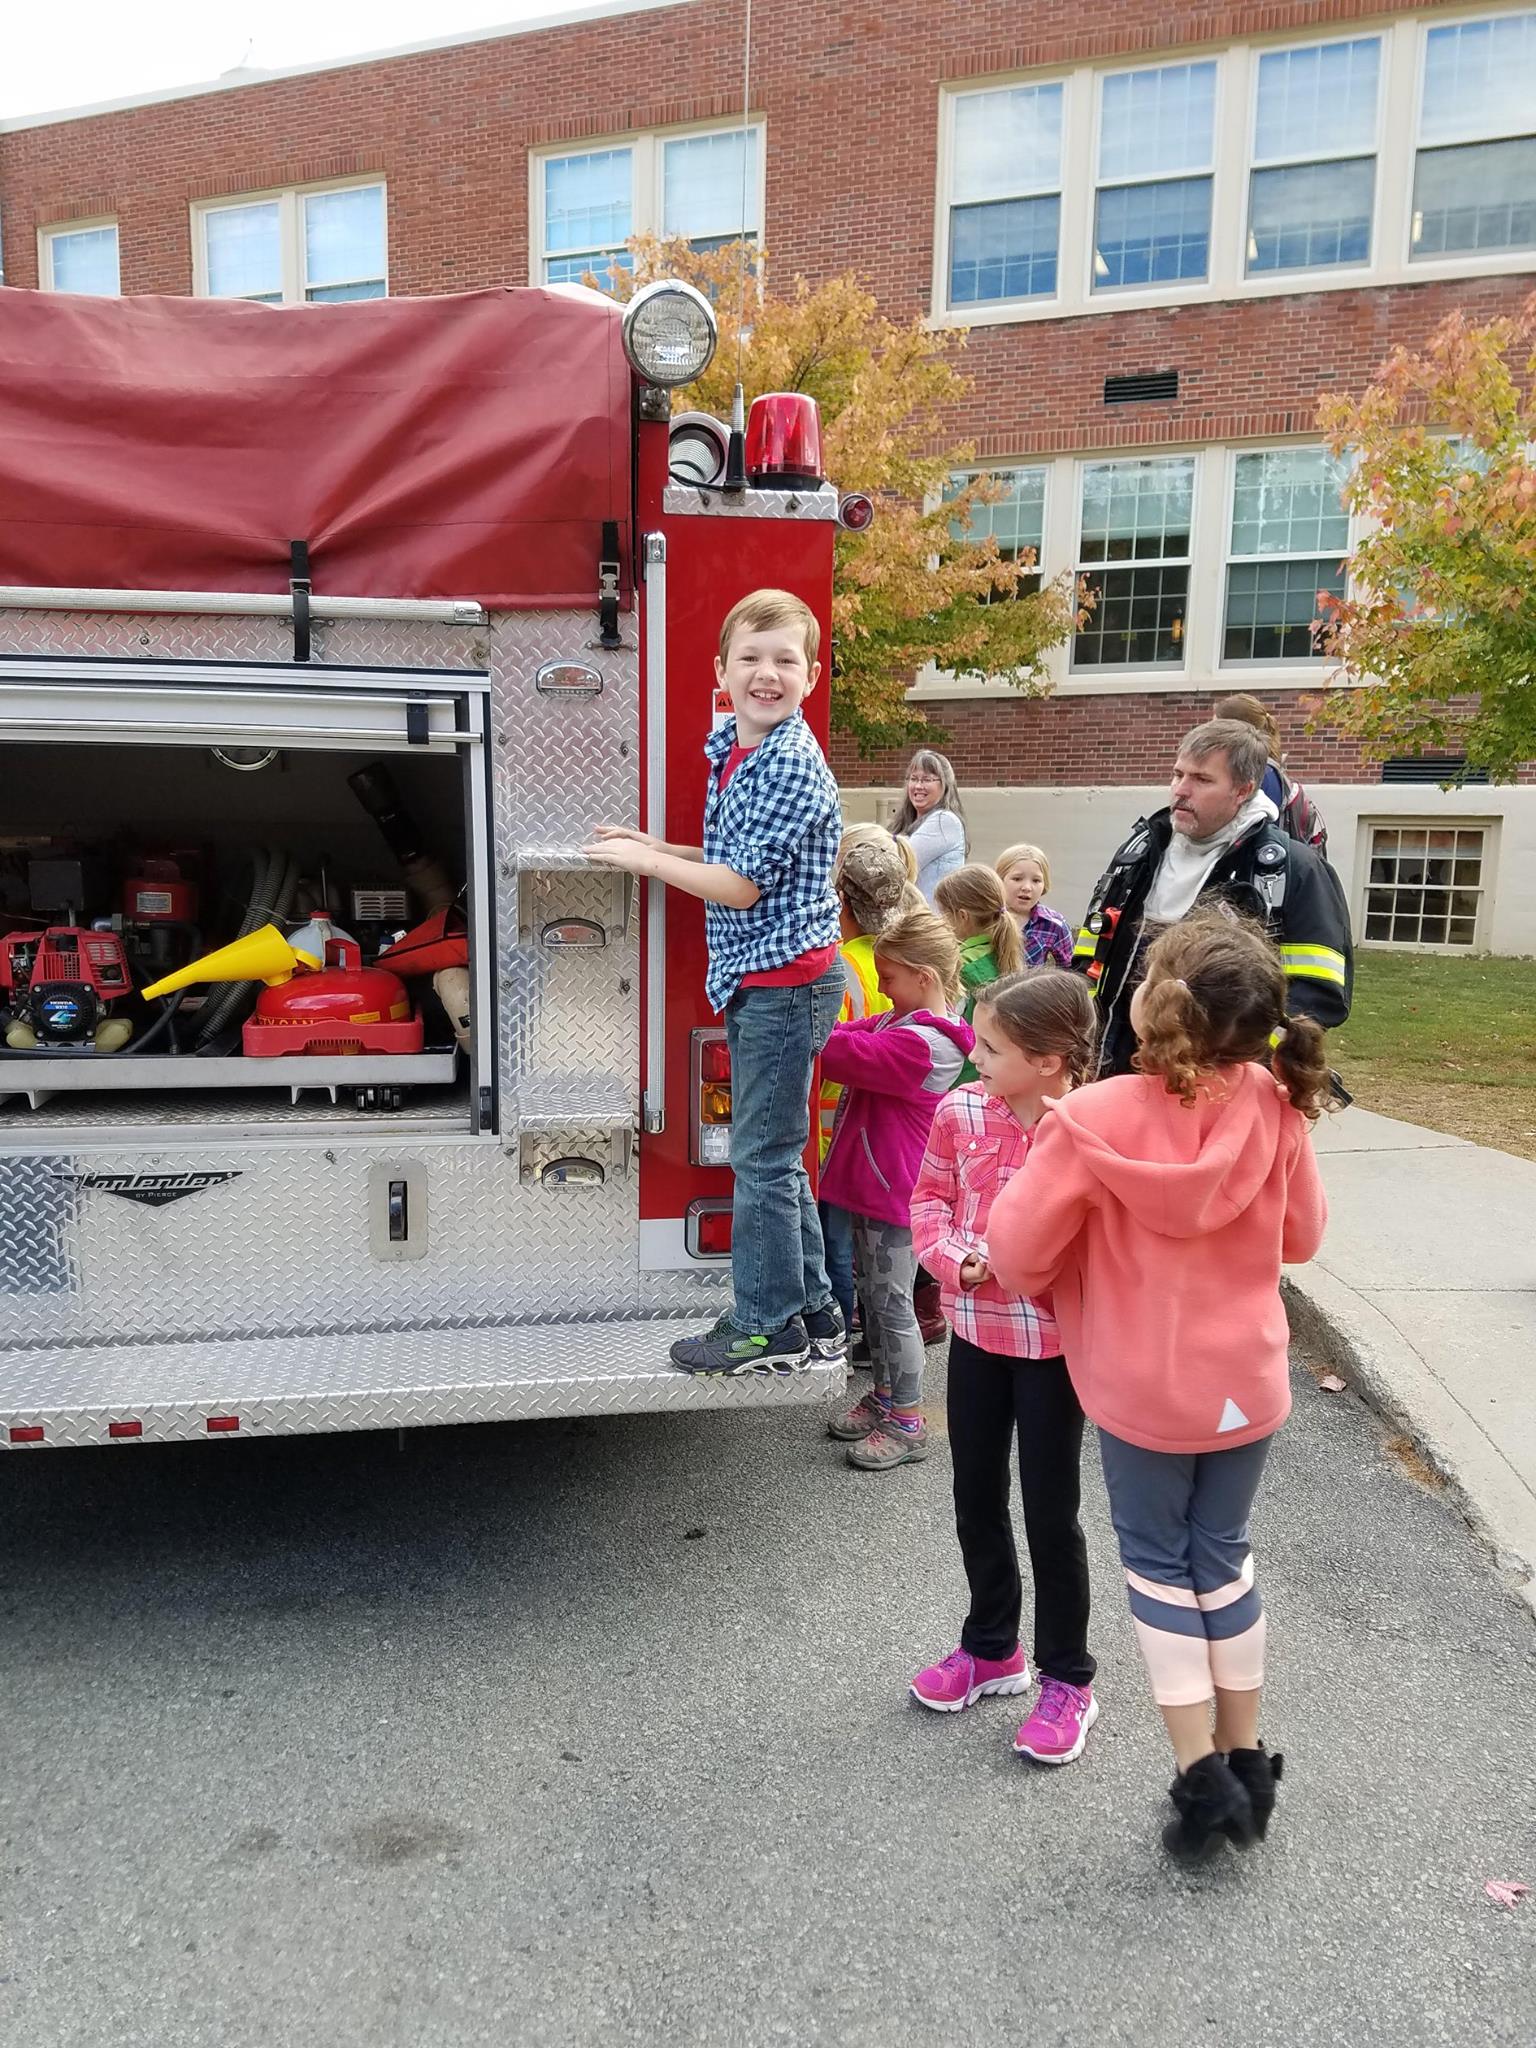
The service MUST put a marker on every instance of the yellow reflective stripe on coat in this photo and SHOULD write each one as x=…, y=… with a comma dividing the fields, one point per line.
x=1314, y=963
x=1087, y=944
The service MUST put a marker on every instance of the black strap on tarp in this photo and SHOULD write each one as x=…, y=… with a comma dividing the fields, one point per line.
x=299, y=586
x=608, y=587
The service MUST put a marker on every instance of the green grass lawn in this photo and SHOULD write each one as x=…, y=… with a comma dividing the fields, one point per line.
x=1446, y=1041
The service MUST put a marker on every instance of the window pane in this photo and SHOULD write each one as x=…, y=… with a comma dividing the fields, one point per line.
x=1286, y=501
x=1007, y=143
x=1152, y=234
x=1005, y=251
x=1016, y=520
x=244, y=255
x=85, y=261
x=1270, y=609
x=1317, y=102
x=1311, y=216
x=344, y=242
x=1479, y=79
x=1157, y=121
x=587, y=200
x=1137, y=510
x=601, y=264
x=1480, y=197
x=1139, y=619
x=702, y=190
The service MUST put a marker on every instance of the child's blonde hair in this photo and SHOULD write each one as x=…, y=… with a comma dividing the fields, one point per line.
x=1215, y=996
x=1044, y=1010
x=1012, y=855
x=920, y=940
x=976, y=892
x=761, y=610
x=869, y=877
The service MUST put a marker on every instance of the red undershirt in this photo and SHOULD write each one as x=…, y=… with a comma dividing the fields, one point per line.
x=795, y=973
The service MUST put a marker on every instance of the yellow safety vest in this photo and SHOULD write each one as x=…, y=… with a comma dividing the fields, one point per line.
x=861, y=998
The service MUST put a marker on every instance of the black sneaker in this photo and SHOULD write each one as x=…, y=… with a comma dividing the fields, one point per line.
x=827, y=1332
x=723, y=1353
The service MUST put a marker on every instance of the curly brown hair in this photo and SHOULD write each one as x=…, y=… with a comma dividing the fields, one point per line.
x=1214, y=996
x=1043, y=1009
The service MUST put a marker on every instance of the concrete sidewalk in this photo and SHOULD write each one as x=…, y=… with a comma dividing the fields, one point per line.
x=1424, y=1297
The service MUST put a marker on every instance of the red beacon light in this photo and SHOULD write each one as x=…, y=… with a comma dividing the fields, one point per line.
x=784, y=442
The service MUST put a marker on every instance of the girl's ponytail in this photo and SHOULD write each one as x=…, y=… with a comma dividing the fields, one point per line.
x=1300, y=1059
x=977, y=892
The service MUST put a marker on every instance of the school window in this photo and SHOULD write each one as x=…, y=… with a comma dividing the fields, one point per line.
x=1313, y=185
x=705, y=188
x=291, y=248
x=80, y=259
x=1005, y=185
x=1288, y=538
x=1424, y=884
x=1134, y=552
x=1152, y=208
x=1016, y=521
x=1474, y=182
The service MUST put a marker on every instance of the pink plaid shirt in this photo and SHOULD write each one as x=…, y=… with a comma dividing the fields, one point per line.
x=975, y=1148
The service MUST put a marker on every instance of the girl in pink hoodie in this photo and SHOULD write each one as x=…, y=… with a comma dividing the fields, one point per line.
x=1158, y=1208
x=895, y=1069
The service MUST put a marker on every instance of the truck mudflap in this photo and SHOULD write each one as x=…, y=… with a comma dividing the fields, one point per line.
x=403, y=1379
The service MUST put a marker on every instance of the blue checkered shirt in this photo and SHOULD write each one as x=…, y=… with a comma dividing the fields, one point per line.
x=778, y=823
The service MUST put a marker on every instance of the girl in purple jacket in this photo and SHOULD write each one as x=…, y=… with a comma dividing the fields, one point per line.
x=895, y=1069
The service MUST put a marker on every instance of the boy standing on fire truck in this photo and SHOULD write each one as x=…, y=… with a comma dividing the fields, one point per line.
x=771, y=831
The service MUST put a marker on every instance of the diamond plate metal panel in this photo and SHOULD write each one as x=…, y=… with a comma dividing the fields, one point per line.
x=818, y=504
x=403, y=1380
x=169, y=636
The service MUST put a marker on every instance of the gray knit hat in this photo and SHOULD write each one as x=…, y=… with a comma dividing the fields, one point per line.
x=870, y=876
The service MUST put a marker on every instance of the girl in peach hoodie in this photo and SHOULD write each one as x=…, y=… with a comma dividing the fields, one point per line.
x=1158, y=1208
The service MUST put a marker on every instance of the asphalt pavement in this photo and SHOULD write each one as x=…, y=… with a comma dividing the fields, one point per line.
x=598, y=1731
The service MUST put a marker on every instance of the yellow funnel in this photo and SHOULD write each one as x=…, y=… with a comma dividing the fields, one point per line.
x=263, y=956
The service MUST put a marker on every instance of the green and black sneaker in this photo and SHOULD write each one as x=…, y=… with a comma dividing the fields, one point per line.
x=725, y=1353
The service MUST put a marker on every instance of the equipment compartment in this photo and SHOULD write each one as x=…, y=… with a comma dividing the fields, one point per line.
x=126, y=861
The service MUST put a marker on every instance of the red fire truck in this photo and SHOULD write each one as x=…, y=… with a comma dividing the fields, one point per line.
x=327, y=634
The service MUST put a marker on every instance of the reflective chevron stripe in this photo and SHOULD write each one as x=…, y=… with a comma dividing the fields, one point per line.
x=1314, y=963
x=1087, y=944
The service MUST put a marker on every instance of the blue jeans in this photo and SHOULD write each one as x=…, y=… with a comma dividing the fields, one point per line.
x=837, y=1238
x=778, y=1264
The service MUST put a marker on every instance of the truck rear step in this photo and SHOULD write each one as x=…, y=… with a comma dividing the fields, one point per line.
x=401, y=1379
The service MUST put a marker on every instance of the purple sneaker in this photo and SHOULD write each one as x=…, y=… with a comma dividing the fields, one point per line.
x=1058, y=1728
x=961, y=1679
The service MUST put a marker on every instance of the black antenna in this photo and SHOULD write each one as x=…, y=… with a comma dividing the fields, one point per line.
x=735, y=479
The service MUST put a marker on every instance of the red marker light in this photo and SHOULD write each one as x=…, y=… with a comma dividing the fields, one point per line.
x=784, y=442
x=714, y=1060
x=856, y=512
x=125, y=1429
x=707, y=1229
x=26, y=1432
x=222, y=1424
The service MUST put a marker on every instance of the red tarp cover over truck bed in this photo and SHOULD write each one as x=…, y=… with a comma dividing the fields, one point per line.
x=465, y=446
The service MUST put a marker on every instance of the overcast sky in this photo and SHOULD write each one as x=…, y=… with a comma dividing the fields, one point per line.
x=71, y=55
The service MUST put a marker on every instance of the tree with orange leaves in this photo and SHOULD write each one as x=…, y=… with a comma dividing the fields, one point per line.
x=1438, y=630
x=914, y=587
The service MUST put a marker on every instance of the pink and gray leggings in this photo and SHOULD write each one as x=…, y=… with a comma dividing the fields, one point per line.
x=1182, y=1523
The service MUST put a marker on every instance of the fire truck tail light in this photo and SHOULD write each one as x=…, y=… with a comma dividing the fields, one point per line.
x=784, y=441
x=856, y=512
x=710, y=1099
x=715, y=1102
x=714, y=1060
x=707, y=1229
x=669, y=332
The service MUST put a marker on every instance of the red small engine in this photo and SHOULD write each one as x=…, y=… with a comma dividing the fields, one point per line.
x=58, y=983
x=344, y=1008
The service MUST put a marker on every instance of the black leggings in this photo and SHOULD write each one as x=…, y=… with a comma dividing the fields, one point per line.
x=991, y=1399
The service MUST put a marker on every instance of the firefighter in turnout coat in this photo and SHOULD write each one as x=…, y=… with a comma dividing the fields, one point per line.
x=1218, y=840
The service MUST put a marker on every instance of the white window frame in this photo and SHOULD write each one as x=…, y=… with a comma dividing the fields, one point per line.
x=1350, y=273
x=46, y=237
x=1118, y=294
x=290, y=227
x=1046, y=473
x=1471, y=262
x=647, y=149
x=1264, y=665
x=1372, y=821
x=1205, y=617
x=1086, y=571
x=1400, y=90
